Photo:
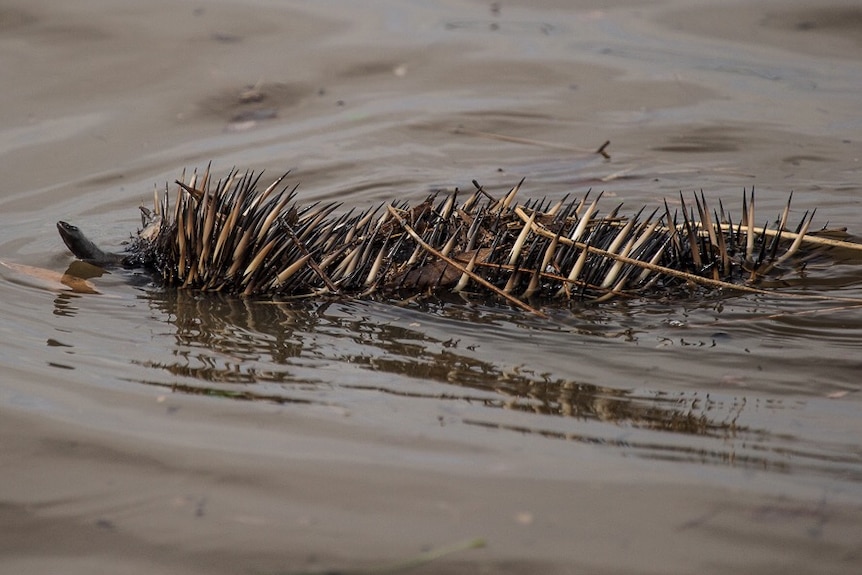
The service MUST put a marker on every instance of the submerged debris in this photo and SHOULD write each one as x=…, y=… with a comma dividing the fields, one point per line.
x=232, y=237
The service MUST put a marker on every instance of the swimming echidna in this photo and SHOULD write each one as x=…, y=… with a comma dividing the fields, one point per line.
x=232, y=237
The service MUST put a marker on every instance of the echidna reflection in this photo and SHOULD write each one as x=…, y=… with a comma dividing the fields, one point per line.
x=230, y=236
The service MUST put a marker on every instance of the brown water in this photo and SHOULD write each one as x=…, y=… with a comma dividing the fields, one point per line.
x=153, y=431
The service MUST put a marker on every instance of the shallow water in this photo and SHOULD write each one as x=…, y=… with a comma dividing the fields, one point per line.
x=152, y=430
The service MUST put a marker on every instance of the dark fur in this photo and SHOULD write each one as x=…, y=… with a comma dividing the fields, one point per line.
x=232, y=237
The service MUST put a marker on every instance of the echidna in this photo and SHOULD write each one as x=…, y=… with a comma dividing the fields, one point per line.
x=232, y=237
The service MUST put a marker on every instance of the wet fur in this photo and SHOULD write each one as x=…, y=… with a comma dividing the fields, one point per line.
x=229, y=236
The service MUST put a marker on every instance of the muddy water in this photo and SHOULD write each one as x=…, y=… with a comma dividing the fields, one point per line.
x=157, y=431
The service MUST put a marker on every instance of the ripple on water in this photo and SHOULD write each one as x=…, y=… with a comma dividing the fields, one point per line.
x=594, y=375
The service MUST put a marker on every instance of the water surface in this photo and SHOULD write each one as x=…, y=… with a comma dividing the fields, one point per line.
x=167, y=431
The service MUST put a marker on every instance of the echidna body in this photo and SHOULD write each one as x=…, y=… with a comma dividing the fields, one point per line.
x=232, y=237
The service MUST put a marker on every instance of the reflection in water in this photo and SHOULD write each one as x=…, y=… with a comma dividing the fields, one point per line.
x=64, y=304
x=308, y=352
x=233, y=347
x=678, y=381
